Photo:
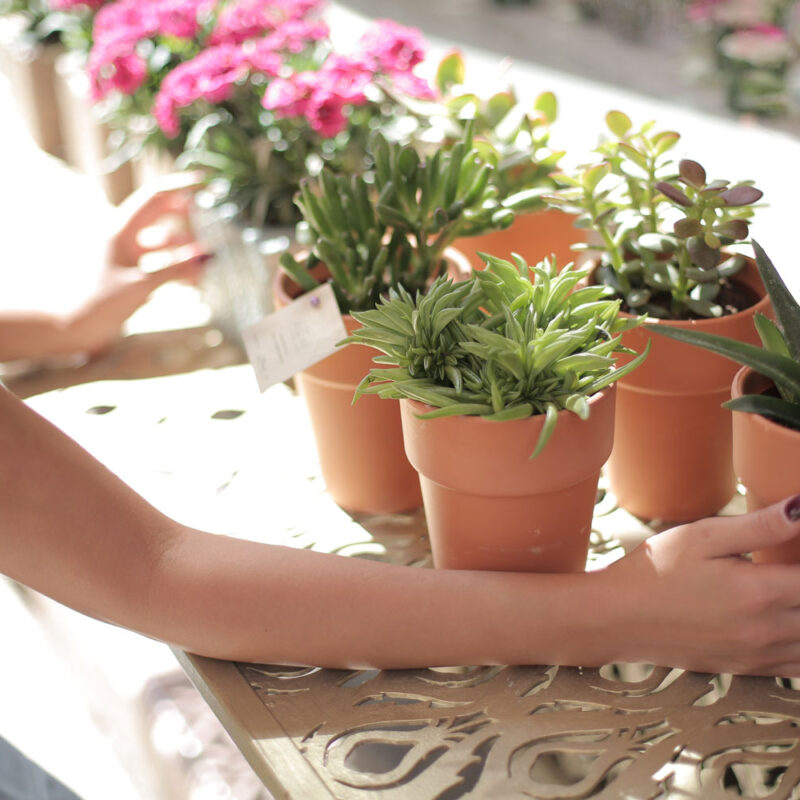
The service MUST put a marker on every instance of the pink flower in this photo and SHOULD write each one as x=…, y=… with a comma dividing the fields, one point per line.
x=321, y=97
x=392, y=47
x=762, y=46
x=69, y=5
x=211, y=76
x=121, y=71
x=412, y=85
x=249, y=19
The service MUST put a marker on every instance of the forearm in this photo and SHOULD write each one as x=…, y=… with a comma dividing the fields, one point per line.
x=276, y=604
x=71, y=529
x=38, y=334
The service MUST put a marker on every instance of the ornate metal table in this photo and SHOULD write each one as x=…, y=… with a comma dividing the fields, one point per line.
x=211, y=452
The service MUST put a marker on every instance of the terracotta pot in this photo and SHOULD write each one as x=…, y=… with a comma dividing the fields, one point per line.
x=360, y=446
x=534, y=236
x=490, y=506
x=672, y=446
x=766, y=457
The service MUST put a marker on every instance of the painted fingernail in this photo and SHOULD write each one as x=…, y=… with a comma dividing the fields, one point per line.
x=203, y=257
x=792, y=509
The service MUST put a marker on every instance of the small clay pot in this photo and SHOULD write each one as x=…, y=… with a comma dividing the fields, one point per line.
x=490, y=506
x=672, y=456
x=766, y=457
x=360, y=446
x=534, y=236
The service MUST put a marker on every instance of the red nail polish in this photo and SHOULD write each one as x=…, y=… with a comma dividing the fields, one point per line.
x=792, y=509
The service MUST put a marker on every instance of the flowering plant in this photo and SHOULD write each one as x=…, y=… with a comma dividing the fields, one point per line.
x=754, y=45
x=251, y=90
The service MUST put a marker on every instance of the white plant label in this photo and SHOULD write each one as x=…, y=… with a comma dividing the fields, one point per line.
x=294, y=338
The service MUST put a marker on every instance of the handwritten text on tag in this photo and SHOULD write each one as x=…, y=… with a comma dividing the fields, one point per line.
x=294, y=338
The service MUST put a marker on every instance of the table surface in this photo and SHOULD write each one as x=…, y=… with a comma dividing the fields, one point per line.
x=208, y=450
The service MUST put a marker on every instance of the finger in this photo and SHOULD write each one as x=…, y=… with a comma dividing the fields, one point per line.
x=186, y=266
x=171, y=194
x=729, y=536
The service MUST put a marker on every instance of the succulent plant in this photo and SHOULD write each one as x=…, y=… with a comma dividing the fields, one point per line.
x=778, y=358
x=373, y=236
x=498, y=345
x=663, y=228
x=512, y=134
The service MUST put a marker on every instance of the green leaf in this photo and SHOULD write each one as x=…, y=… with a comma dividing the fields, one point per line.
x=593, y=175
x=771, y=336
x=457, y=410
x=774, y=408
x=787, y=309
x=618, y=123
x=547, y=104
x=522, y=411
x=772, y=365
x=450, y=72
x=551, y=417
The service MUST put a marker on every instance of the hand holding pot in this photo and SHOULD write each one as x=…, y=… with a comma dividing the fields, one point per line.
x=687, y=597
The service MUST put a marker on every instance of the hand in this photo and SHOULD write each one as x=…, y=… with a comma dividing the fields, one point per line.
x=124, y=285
x=694, y=601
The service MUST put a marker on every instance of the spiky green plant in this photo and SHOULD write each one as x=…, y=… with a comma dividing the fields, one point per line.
x=779, y=357
x=499, y=345
x=663, y=227
x=393, y=232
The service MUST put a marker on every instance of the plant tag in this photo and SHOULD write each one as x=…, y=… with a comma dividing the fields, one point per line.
x=294, y=338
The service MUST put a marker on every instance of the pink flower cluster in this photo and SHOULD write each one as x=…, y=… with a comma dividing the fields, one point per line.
x=72, y=5
x=214, y=73
x=249, y=19
x=119, y=27
x=115, y=62
x=387, y=50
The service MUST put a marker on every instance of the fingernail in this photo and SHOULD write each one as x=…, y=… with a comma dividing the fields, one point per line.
x=792, y=509
x=203, y=257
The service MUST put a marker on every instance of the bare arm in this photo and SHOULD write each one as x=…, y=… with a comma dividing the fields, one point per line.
x=72, y=530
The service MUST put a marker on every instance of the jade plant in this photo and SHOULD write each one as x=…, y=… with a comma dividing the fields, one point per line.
x=779, y=357
x=498, y=345
x=392, y=231
x=663, y=227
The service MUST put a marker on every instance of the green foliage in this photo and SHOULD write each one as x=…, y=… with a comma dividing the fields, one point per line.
x=498, y=345
x=777, y=359
x=511, y=134
x=393, y=231
x=662, y=228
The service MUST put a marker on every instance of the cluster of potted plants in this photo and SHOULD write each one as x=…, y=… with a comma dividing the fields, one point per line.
x=369, y=237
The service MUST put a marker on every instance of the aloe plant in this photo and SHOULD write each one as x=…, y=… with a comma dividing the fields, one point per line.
x=499, y=345
x=375, y=235
x=777, y=359
x=662, y=226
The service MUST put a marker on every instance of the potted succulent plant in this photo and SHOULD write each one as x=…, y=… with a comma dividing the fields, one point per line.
x=367, y=238
x=507, y=406
x=765, y=401
x=515, y=135
x=663, y=231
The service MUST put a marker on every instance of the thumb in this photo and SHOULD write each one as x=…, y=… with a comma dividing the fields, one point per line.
x=733, y=536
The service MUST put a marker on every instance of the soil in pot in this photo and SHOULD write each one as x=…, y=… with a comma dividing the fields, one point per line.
x=490, y=506
x=672, y=457
x=766, y=457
